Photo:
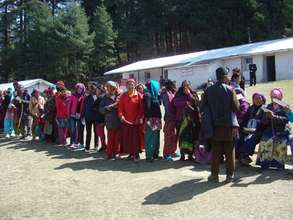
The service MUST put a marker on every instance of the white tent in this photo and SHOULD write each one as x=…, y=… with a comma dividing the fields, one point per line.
x=30, y=85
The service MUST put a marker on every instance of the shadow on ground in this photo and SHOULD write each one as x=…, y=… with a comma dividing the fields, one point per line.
x=50, y=149
x=180, y=192
x=95, y=161
x=188, y=189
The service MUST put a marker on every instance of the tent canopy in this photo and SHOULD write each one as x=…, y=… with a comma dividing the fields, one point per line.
x=26, y=84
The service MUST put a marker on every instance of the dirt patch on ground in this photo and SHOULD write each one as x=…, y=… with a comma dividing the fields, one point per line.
x=41, y=181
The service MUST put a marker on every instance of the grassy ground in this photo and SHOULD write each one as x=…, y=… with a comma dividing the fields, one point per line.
x=265, y=88
x=43, y=181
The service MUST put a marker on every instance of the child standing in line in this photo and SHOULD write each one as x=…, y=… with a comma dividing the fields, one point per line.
x=8, y=121
x=62, y=112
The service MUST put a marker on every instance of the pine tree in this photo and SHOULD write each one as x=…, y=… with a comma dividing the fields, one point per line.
x=73, y=42
x=32, y=42
x=103, y=53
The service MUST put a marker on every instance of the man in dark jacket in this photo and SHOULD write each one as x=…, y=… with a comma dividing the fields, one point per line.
x=223, y=103
x=252, y=73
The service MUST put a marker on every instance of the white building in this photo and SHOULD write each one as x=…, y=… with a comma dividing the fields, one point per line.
x=30, y=85
x=274, y=60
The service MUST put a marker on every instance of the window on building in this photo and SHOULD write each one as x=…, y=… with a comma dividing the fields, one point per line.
x=147, y=76
x=131, y=76
x=246, y=62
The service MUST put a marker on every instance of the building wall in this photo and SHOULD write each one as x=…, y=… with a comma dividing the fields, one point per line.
x=141, y=76
x=284, y=65
x=232, y=63
x=259, y=61
x=199, y=74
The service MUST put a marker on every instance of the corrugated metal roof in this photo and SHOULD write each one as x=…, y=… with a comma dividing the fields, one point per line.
x=25, y=83
x=204, y=56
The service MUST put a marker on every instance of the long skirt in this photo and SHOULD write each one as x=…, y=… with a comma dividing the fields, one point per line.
x=272, y=151
x=114, y=139
x=170, y=138
x=130, y=143
x=186, y=136
x=152, y=142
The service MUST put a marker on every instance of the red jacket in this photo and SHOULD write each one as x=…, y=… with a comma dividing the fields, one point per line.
x=75, y=104
x=131, y=108
x=62, y=106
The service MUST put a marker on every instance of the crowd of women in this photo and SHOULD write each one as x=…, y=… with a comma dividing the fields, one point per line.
x=133, y=120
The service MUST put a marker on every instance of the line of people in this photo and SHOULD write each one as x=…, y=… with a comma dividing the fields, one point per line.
x=218, y=126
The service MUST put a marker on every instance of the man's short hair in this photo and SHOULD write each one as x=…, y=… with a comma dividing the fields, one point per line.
x=221, y=73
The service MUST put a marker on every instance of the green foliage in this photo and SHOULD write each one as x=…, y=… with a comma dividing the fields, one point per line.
x=81, y=39
x=72, y=42
x=103, y=55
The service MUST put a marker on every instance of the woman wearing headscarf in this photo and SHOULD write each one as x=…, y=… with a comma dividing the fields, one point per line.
x=36, y=108
x=273, y=145
x=244, y=104
x=187, y=120
x=153, y=120
x=251, y=129
x=131, y=113
x=75, y=101
x=170, y=138
x=109, y=108
x=10, y=111
x=50, y=114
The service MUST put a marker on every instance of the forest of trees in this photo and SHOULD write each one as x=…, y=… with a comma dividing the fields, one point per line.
x=79, y=40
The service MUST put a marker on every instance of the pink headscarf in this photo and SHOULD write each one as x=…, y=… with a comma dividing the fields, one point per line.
x=277, y=94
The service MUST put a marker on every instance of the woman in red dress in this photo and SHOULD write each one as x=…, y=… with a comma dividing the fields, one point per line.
x=130, y=112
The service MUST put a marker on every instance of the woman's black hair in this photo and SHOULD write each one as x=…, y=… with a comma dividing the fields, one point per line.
x=180, y=92
x=235, y=75
x=101, y=88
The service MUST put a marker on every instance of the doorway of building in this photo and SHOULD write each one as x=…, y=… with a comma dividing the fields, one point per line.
x=271, y=68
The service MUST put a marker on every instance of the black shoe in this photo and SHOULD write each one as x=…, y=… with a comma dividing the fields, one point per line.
x=213, y=179
x=182, y=158
x=190, y=158
x=156, y=157
x=230, y=178
x=110, y=157
x=102, y=149
x=136, y=156
x=129, y=157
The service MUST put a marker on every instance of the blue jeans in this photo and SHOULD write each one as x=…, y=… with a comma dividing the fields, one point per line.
x=73, y=130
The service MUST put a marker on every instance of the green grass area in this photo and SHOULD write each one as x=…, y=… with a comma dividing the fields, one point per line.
x=265, y=88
